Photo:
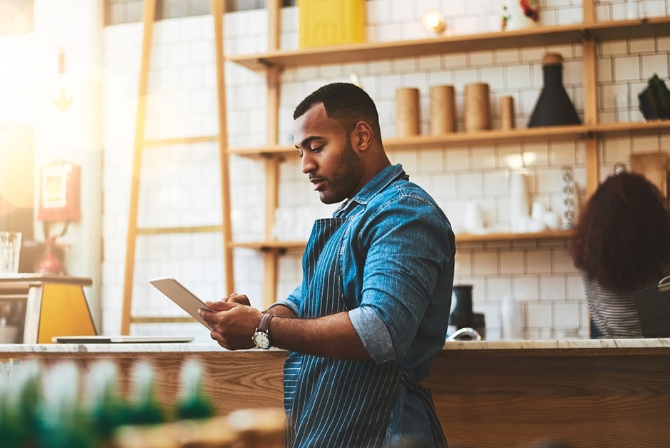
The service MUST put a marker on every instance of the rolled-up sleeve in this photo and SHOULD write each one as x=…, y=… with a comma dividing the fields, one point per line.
x=373, y=333
x=292, y=301
x=407, y=248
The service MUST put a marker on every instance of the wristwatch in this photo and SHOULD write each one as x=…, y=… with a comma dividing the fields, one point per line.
x=261, y=337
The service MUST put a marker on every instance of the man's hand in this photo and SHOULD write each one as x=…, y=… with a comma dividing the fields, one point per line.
x=232, y=321
x=237, y=298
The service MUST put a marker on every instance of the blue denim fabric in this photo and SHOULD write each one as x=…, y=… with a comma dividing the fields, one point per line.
x=397, y=271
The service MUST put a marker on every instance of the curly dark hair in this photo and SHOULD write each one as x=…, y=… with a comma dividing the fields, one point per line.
x=344, y=102
x=623, y=233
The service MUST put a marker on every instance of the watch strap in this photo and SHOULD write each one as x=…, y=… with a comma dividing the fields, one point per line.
x=264, y=325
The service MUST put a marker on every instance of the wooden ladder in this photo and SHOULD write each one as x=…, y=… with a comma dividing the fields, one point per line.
x=148, y=18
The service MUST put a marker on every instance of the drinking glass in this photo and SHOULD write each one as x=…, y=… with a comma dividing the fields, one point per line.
x=10, y=248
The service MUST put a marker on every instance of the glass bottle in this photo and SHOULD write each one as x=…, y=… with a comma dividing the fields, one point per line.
x=145, y=408
x=193, y=403
x=60, y=419
x=107, y=410
x=24, y=400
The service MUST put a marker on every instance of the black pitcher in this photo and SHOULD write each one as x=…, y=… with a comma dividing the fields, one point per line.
x=461, y=314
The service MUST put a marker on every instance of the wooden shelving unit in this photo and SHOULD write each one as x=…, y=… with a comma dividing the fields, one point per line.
x=141, y=145
x=588, y=33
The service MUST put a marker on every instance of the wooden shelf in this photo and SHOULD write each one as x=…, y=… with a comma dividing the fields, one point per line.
x=489, y=137
x=629, y=29
x=553, y=133
x=265, y=151
x=554, y=35
x=485, y=237
x=460, y=238
x=637, y=128
x=542, y=36
x=270, y=245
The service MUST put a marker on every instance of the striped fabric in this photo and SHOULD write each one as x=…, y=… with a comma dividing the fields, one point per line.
x=613, y=312
x=339, y=403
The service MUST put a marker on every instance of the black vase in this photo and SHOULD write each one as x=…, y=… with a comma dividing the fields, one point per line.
x=554, y=106
x=461, y=314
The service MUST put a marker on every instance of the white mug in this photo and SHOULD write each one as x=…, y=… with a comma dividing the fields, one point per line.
x=552, y=220
x=474, y=218
x=538, y=210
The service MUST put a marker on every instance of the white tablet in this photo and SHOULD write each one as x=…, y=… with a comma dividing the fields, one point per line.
x=180, y=295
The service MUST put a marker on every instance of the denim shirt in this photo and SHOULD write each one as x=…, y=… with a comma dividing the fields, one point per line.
x=397, y=271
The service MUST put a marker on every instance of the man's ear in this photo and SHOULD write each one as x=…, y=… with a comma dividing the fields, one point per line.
x=361, y=137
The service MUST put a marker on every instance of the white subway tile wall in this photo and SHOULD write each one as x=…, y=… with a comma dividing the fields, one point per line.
x=181, y=185
x=16, y=88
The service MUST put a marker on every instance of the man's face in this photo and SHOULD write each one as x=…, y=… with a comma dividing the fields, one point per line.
x=333, y=166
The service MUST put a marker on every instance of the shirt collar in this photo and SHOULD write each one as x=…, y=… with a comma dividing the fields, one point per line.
x=378, y=183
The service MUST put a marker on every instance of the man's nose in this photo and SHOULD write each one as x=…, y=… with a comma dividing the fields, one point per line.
x=307, y=162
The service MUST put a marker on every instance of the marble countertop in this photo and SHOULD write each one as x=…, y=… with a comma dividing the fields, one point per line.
x=114, y=348
x=587, y=346
x=548, y=344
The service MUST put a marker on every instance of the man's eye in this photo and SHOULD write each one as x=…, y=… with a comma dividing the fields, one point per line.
x=316, y=149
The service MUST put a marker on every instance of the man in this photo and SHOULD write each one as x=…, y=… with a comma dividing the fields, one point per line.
x=371, y=313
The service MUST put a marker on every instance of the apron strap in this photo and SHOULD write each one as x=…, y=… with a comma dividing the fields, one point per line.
x=426, y=398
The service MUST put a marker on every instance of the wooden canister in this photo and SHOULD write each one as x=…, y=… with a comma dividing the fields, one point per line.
x=442, y=110
x=407, y=112
x=507, y=113
x=477, y=107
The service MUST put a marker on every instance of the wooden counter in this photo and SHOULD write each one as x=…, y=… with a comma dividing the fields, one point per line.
x=593, y=393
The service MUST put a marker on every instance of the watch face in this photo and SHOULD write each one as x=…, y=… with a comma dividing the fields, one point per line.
x=261, y=340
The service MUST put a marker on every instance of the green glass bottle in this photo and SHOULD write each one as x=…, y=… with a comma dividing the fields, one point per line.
x=24, y=400
x=106, y=410
x=144, y=408
x=193, y=402
x=10, y=430
x=61, y=423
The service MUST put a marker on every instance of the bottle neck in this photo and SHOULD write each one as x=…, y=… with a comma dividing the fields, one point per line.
x=553, y=75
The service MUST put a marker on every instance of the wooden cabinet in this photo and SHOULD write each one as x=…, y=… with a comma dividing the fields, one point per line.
x=588, y=33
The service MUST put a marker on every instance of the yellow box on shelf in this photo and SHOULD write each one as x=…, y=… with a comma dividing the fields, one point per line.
x=331, y=22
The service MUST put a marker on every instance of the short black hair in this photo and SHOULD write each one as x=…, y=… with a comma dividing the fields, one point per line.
x=344, y=102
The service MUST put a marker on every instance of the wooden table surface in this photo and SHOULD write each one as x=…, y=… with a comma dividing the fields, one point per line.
x=591, y=393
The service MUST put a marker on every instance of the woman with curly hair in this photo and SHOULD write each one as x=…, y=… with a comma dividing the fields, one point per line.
x=621, y=244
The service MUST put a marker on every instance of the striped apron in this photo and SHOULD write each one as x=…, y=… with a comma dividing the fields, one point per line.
x=330, y=402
